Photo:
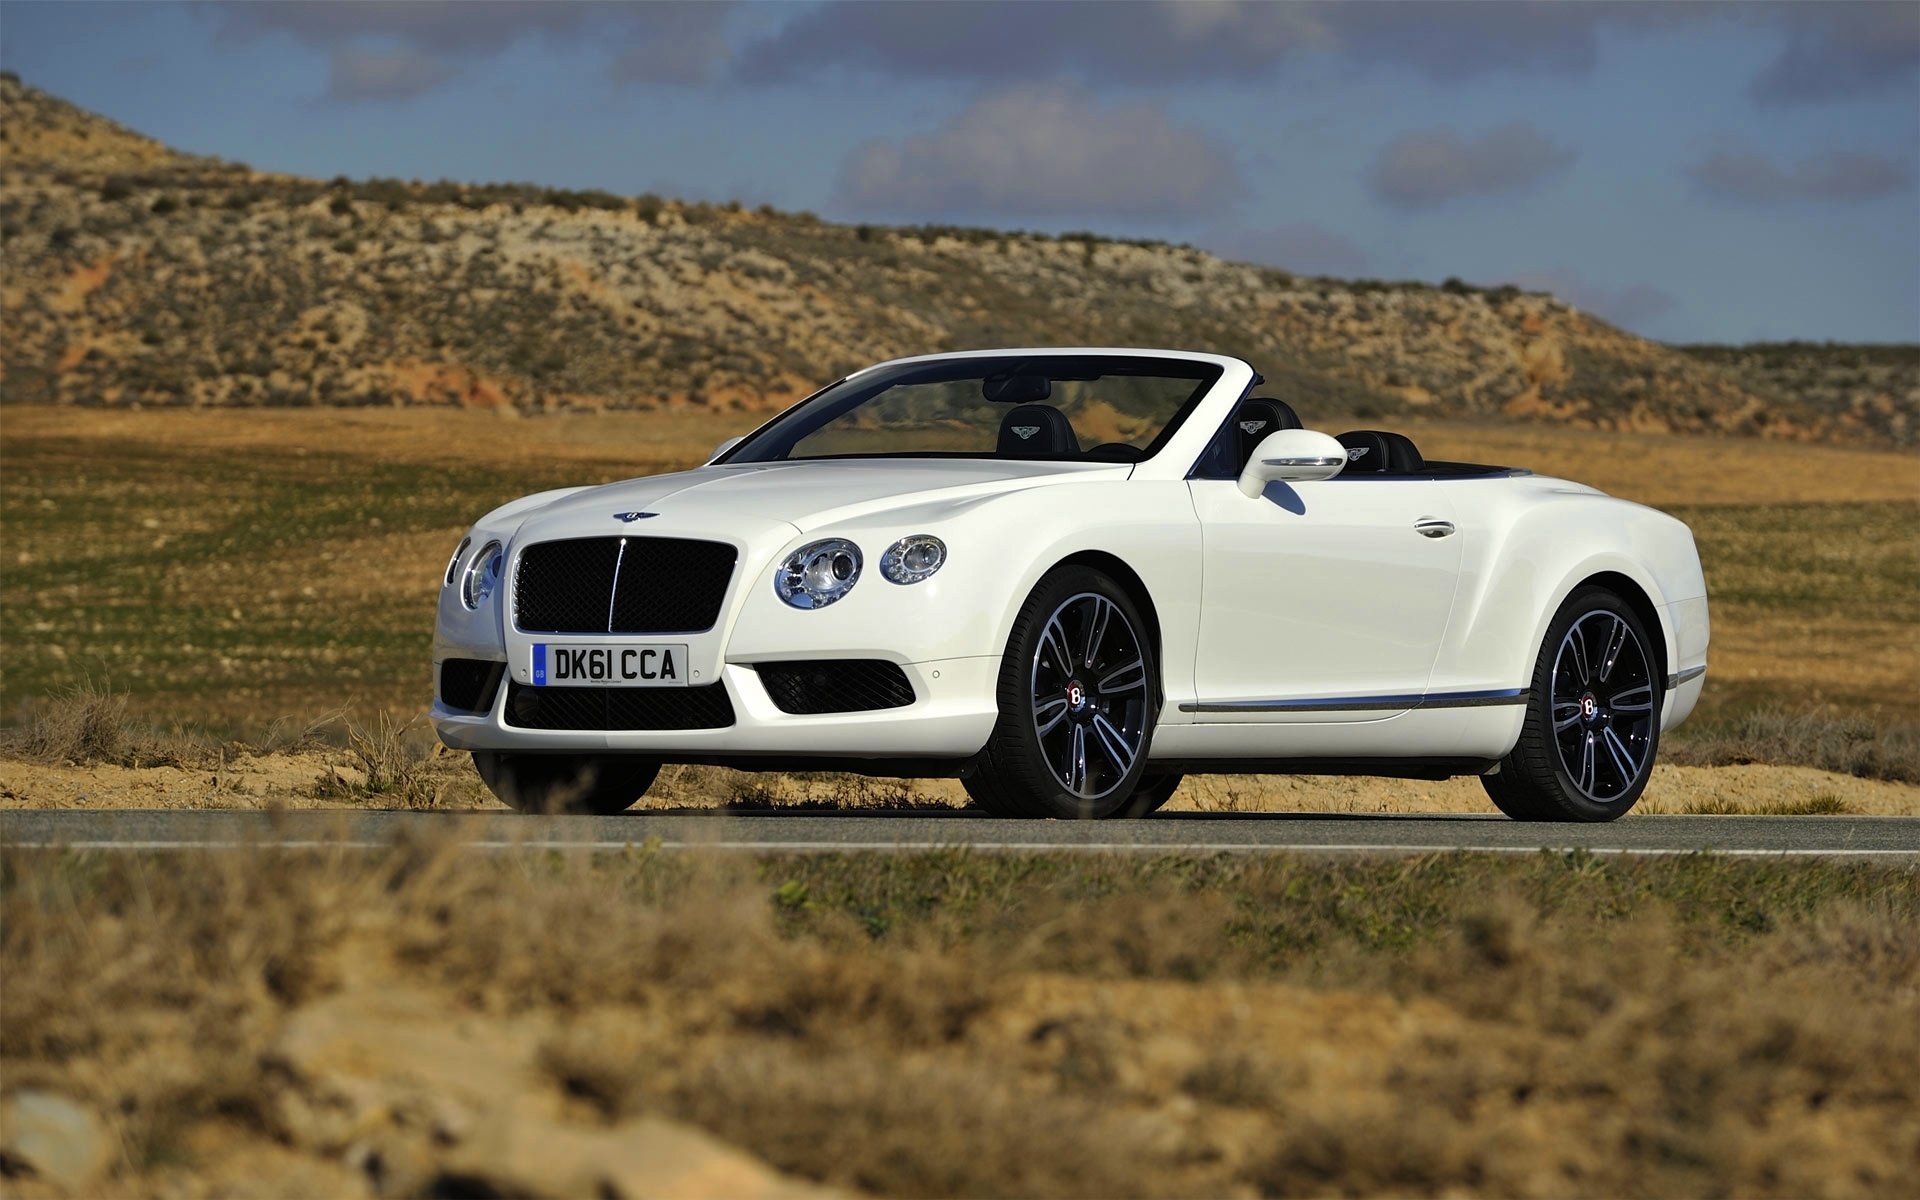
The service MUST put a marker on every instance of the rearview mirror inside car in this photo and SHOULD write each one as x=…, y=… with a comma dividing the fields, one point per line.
x=1016, y=389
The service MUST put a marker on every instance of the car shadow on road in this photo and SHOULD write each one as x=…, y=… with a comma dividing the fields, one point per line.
x=948, y=812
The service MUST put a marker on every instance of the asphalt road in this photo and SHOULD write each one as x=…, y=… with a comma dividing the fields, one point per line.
x=1882, y=838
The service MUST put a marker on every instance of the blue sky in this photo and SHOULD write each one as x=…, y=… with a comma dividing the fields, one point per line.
x=1724, y=172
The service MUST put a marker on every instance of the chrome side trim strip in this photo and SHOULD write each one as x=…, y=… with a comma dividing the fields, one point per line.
x=1476, y=699
x=1304, y=462
x=1680, y=677
x=1480, y=699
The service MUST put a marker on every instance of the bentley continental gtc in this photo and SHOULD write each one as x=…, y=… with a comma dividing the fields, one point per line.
x=1069, y=577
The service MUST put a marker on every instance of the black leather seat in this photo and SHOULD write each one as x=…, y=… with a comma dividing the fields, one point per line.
x=1378, y=451
x=1257, y=417
x=1037, y=431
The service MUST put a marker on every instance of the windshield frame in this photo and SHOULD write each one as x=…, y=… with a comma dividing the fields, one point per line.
x=790, y=427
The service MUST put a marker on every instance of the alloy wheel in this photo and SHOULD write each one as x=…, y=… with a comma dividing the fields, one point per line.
x=1602, y=706
x=1089, y=695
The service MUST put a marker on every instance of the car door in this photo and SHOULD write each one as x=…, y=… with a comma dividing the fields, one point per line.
x=1322, y=601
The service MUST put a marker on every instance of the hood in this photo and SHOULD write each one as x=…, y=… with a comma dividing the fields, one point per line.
x=805, y=495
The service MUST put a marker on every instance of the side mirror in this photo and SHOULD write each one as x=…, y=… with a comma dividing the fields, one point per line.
x=1292, y=456
x=722, y=448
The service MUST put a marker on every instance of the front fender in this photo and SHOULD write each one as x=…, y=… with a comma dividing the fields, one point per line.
x=998, y=548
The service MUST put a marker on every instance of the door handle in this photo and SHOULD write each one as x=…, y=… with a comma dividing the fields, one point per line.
x=1433, y=527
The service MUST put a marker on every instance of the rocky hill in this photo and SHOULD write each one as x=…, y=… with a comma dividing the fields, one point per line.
x=135, y=274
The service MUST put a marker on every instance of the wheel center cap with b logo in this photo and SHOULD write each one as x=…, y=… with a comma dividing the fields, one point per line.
x=1076, y=696
x=1589, y=707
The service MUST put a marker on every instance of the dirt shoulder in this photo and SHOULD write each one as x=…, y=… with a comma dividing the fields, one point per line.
x=327, y=779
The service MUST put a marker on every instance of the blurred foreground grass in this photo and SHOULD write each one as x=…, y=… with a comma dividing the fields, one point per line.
x=961, y=1024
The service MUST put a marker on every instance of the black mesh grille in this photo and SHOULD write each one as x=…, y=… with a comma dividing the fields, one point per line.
x=469, y=683
x=565, y=587
x=665, y=585
x=671, y=585
x=618, y=708
x=836, y=686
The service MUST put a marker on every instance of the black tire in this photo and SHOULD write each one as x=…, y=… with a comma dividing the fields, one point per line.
x=1592, y=728
x=1151, y=794
x=599, y=784
x=1079, y=694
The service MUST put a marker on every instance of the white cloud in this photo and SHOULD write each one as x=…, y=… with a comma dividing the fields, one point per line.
x=385, y=49
x=1429, y=167
x=1827, y=50
x=358, y=74
x=1834, y=175
x=1045, y=152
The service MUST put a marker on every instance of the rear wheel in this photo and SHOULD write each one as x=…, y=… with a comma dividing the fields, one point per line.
x=1152, y=793
x=1078, y=699
x=1593, y=718
x=566, y=783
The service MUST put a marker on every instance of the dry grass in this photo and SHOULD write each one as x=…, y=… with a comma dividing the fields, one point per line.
x=212, y=616
x=1669, y=470
x=1820, y=805
x=390, y=762
x=88, y=725
x=950, y=1025
x=1808, y=737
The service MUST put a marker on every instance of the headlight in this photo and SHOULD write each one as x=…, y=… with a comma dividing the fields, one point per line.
x=815, y=576
x=913, y=558
x=482, y=577
x=453, y=564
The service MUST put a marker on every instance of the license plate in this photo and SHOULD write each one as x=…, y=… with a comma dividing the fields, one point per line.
x=573, y=664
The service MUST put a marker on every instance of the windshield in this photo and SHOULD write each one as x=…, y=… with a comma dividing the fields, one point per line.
x=1065, y=407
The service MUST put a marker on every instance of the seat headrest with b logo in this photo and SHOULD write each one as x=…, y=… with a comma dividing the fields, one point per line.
x=1379, y=451
x=1036, y=431
x=1256, y=418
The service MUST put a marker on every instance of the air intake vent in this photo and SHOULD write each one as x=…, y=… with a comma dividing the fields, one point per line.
x=618, y=708
x=621, y=585
x=836, y=685
x=470, y=684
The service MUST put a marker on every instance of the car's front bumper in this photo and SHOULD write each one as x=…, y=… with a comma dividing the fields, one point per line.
x=952, y=714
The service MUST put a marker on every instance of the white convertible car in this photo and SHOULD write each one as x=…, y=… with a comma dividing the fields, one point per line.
x=1069, y=577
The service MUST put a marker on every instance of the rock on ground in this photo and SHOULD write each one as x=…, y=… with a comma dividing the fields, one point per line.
x=47, y=1136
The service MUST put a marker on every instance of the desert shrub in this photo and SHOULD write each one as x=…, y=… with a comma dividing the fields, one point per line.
x=392, y=762
x=88, y=724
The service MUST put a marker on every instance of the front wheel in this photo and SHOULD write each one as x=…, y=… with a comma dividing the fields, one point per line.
x=1593, y=717
x=1078, y=699
x=599, y=784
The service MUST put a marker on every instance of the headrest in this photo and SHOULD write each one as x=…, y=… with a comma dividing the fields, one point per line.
x=1256, y=418
x=1037, y=431
x=1378, y=450
x=1366, y=451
